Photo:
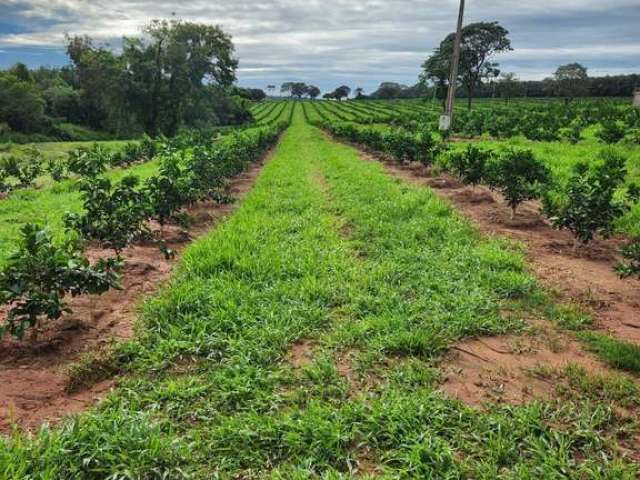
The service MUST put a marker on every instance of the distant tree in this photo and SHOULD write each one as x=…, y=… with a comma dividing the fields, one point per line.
x=285, y=88
x=358, y=92
x=388, y=90
x=294, y=89
x=508, y=86
x=313, y=92
x=571, y=80
x=271, y=89
x=341, y=92
x=299, y=89
x=180, y=57
x=97, y=75
x=254, y=94
x=329, y=96
x=21, y=104
x=436, y=69
x=21, y=72
x=63, y=102
x=480, y=42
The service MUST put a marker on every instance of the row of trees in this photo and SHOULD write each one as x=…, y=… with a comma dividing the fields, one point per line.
x=176, y=74
x=300, y=90
x=480, y=75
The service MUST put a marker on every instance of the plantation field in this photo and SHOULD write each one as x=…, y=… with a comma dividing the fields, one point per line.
x=55, y=150
x=349, y=321
x=560, y=155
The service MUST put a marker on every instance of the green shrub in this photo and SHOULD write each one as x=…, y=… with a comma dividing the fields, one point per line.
x=630, y=266
x=586, y=206
x=612, y=131
x=518, y=175
x=40, y=274
x=89, y=162
x=114, y=214
x=470, y=164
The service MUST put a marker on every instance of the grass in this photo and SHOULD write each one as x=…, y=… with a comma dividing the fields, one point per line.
x=55, y=150
x=48, y=205
x=377, y=277
x=617, y=353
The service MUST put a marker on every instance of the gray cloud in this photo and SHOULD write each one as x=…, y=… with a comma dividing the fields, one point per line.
x=355, y=42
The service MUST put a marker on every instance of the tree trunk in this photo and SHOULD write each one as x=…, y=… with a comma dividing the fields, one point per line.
x=155, y=99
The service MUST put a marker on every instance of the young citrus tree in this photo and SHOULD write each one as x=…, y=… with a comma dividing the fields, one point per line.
x=586, y=205
x=518, y=175
x=41, y=273
x=114, y=214
x=470, y=164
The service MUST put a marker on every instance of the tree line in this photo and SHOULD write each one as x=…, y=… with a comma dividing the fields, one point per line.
x=175, y=75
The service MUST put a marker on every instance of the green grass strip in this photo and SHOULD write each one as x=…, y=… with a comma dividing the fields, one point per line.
x=329, y=249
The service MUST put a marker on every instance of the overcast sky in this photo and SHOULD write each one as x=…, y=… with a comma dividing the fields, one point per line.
x=331, y=42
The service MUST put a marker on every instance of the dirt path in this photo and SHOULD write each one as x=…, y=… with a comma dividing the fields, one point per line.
x=35, y=379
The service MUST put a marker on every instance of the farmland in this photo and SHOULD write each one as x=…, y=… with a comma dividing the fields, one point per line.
x=361, y=312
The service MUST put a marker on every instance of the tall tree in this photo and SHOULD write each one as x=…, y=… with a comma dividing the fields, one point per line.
x=479, y=44
x=172, y=66
x=571, y=81
x=97, y=72
x=341, y=92
x=313, y=92
x=435, y=69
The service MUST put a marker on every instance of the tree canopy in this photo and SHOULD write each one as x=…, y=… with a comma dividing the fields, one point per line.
x=480, y=42
x=175, y=75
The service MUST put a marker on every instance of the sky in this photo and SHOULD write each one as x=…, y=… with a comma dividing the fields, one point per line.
x=334, y=42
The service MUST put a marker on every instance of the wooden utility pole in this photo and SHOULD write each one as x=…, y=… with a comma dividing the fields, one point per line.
x=447, y=118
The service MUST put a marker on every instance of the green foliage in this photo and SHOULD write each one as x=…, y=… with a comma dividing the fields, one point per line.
x=587, y=206
x=518, y=174
x=617, y=353
x=573, y=132
x=57, y=169
x=40, y=274
x=399, y=143
x=470, y=164
x=21, y=105
x=24, y=169
x=89, y=162
x=114, y=213
x=631, y=264
x=170, y=190
x=612, y=131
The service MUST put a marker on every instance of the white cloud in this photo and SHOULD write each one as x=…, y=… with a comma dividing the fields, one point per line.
x=352, y=41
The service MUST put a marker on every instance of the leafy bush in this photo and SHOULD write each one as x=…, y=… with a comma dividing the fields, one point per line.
x=470, y=164
x=40, y=274
x=401, y=144
x=57, y=169
x=170, y=190
x=114, y=214
x=586, y=205
x=572, y=132
x=632, y=137
x=631, y=264
x=88, y=162
x=611, y=131
x=23, y=169
x=518, y=175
